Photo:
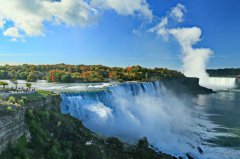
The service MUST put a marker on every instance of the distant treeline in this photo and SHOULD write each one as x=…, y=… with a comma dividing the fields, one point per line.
x=224, y=72
x=84, y=73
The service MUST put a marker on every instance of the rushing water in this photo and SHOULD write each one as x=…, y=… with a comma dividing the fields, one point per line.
x=222, y=109
x=219, y=83
x=61, y=87
x=173, y=124
x=134, y=110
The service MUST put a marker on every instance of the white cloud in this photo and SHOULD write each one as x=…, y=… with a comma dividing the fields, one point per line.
x=160, y=28
x=12, y=32
x=125, y=7
x=2, y=22
x=29, y=16
x=177, y=13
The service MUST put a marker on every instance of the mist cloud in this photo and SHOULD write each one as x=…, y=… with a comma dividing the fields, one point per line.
x=133, y=111
x=194, y=59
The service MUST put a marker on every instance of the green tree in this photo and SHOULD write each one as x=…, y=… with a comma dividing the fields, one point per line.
x=11, y=99
x=28, y=85
x=23, y=75
x=14, y=81
x=3, y=74
x=32, y=76
x=54, y=152
x=2, y=83
x=66, y=78
x=12, y=74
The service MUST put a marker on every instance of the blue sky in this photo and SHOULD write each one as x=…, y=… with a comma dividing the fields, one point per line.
x=122, y=40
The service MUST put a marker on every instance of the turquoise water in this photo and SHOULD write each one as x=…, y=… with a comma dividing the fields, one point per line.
x=223, y=109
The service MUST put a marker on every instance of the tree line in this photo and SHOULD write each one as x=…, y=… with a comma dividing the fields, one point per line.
x=225, y=72
x=84, y=73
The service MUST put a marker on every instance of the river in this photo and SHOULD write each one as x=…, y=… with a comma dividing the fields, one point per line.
x=173, y=125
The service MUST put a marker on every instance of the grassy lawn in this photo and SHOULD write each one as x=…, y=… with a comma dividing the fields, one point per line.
x=38, y=95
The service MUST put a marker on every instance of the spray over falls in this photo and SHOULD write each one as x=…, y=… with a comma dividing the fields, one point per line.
x=194, y=59
x=134, y=110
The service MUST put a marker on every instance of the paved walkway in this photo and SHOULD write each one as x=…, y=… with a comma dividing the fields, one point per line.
x=16, y=93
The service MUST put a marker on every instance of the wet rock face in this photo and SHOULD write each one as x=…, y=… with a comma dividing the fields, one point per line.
x=238, y=81
x=200, y=150
x=189, y=156
x=49, y=103
x=11, y=128
x=186, y=85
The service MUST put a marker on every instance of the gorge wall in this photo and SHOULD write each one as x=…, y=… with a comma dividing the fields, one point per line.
x=12, y=122
x=11, y=128
x=189, y=86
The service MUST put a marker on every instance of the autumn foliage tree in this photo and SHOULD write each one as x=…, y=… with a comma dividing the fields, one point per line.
x=85, y=73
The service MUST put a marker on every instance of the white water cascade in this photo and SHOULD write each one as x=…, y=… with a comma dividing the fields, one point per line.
x=219, y=83
x=134, y=110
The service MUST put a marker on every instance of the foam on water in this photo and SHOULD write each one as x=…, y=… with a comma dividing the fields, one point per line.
x=61, y=87
x=102, y=85
x=219, y=83
x=134, y=110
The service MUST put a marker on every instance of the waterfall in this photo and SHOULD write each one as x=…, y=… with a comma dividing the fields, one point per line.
x=220, y=83
x=130, y=111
